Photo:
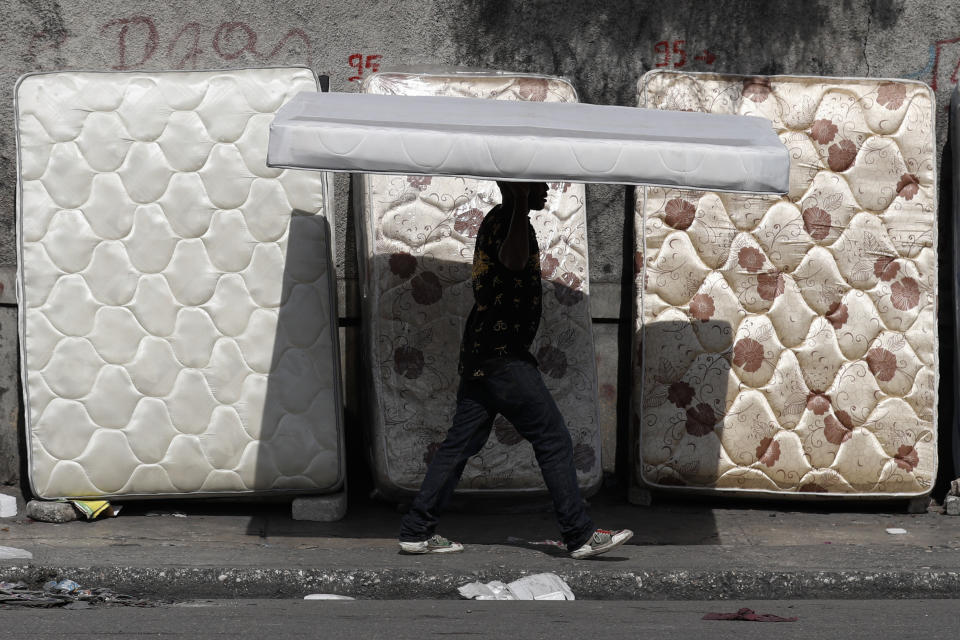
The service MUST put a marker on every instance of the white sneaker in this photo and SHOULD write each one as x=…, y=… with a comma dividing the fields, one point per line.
x=601, y=541
x=436, y=544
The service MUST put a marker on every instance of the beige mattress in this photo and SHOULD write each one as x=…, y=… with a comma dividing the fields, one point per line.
x=788, y=345
x=416, y=235
x=177, y=314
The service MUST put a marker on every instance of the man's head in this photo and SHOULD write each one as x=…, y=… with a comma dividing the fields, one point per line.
x=534, y=193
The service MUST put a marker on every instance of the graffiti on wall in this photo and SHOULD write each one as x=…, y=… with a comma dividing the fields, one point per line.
x=137, y=40
x=943, y=63
x=359, y=62
x=673, y=53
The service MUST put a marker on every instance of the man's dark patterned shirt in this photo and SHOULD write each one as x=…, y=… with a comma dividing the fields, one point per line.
x=506, y=311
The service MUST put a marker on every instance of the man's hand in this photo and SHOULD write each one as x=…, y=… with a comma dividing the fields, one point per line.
x=519, y=198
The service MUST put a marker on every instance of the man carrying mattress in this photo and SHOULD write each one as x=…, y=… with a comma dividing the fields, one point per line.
x=500, y=376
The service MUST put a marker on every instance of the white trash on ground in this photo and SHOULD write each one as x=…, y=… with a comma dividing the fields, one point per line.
x=540, y=586
x=326, y=596
x=494, y=590
x=12, y=553
x=8, y=506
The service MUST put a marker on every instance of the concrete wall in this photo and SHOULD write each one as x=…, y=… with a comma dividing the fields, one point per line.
x=603, y=47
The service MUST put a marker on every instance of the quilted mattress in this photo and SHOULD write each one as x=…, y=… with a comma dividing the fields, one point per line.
x=416, y=236
x=177, y=313
x=788, y=345
x=527, y=140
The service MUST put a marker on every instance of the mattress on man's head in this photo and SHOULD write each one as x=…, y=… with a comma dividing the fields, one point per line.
x=789, y=344
x=417, y=235
x=177, y=315
x=526, y=141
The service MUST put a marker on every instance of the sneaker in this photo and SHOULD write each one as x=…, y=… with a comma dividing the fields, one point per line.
x=601, y=541
x=436, y=544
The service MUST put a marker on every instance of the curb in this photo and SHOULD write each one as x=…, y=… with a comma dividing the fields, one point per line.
x=183, y=583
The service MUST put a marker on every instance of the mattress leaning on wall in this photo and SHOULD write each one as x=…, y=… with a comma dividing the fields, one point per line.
x=177, y=311
x=789, y=345
x=416, y=237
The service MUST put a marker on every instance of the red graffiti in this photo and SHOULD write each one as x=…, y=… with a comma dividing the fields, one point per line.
x=678, y=49
x=670, y=51
x=663, y=48
x=193, y=51
x=706, y=57
x=224, y=36
x=360, y=62
x=229, y=41
x=293, y=33
x=151, y=39
x=936, y=62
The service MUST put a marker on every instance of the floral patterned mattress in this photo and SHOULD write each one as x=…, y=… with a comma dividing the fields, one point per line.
x=416, y=236
x=177, y=315
x=788, y=345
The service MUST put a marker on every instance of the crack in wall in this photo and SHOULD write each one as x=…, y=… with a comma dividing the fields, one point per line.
x=866, y=38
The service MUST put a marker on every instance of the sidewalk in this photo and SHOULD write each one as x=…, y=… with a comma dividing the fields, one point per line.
x=682, y=549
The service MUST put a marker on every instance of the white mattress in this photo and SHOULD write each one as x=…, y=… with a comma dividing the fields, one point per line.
x=790, y=343
x=177, y=309
x=416, y=237
x=527, y=140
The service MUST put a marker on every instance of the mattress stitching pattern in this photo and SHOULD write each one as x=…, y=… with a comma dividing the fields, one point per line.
x=833, y=390
x=421, y=235
x=328, y=138
x=163, y=323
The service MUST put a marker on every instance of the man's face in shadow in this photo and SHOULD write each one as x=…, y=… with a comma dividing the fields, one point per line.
x=537, y=195
x=533, y=193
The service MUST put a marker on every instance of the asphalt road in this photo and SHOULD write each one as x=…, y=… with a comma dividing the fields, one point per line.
x=416, y=619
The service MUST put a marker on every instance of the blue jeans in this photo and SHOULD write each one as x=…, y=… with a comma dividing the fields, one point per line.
x=516, y=391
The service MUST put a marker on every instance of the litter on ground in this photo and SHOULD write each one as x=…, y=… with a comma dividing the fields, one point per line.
x=8, y=506
x=65, y=594
x=13, y=553
x=748, y=615
x=540, y=586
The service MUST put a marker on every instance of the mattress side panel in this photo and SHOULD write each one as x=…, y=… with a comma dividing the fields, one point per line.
x=789, y=344
x=420, y=234
x=178, y=334
x=416, y=133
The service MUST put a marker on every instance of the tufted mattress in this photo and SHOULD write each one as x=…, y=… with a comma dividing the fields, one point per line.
x=177, y=314
x=416, y=236
x=527, y=140
x=788, y=345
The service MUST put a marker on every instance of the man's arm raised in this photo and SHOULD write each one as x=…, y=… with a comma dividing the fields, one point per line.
x=515, y=250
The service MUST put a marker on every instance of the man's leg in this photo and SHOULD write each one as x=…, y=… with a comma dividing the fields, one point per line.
x=523, y=399
x=468, y=433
